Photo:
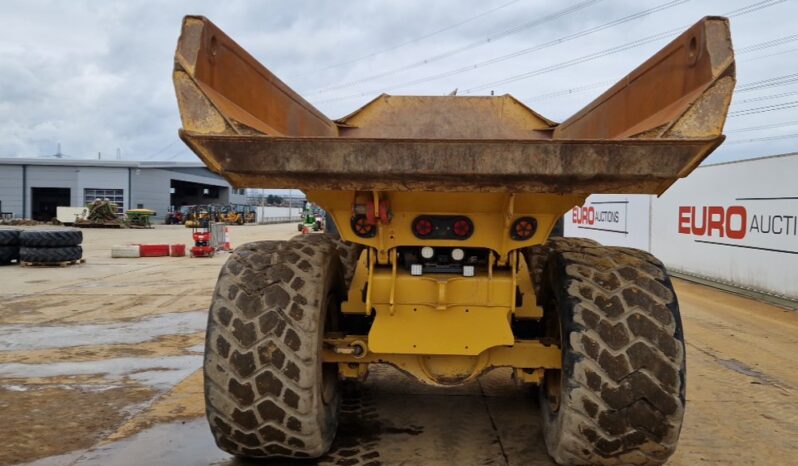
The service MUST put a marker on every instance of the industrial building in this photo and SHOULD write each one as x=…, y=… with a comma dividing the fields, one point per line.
x=34, y=187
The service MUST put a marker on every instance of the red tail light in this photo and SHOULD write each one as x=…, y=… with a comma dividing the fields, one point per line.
x=462, y=228
x=442, y=227
x=523, y=228
x=422, y=227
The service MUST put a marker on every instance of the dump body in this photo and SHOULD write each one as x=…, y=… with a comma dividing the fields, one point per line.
x=653, y=127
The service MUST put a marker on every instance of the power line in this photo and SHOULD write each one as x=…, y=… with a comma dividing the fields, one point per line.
x=767, y=138
x=767, y=83
x=764, y=108
x=571, y=91
x=773, y=54
x=161, y=150
x=575, y=61
x=761, y=127
x=768, y=44
x=637, y=43
x=518, y=53
x=492, y=38
x=757, y=85
x=766, y=97
x=412, y=41
x=614, y=50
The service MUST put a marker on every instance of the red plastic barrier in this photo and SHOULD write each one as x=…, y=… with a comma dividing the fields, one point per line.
x=154, y=250
x=177, y=250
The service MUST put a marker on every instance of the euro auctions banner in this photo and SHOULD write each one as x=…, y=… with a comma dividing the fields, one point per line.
x=614, y=220
x=736, y=223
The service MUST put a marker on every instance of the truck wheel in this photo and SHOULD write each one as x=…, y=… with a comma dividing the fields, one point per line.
x=348, y=253
x=9, y=237
x=619, y=398
x=267, y=393
x=50, y=238
x=537, y=256
x=50, y=255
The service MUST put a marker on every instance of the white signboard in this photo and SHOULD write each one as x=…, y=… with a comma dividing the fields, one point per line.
x=735, y=222
x=614, y=220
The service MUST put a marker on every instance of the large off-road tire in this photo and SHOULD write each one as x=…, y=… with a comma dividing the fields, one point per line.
x=50, y=255
x=536, y=256
x=348, y=253
x=9, y=237
x=267, y=393
x=8, y=254
x=620, y=396
x=50, y=238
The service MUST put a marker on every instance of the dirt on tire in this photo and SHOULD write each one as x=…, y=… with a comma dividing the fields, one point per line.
x=50, y=238
x=50, y=255
x=537, y=256
x=621, y=396
x=267, y=392
x=348, y=253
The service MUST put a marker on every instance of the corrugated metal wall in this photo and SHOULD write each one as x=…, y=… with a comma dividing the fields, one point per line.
x=11, y=189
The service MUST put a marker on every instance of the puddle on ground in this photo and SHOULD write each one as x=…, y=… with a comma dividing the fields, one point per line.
x=18, y=337
x=160, y=373
x=174, y=444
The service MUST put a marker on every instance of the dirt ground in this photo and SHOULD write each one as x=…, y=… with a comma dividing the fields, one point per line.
x=99, y=365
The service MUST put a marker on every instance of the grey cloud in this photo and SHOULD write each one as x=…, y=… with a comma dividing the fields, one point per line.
x=96, y=75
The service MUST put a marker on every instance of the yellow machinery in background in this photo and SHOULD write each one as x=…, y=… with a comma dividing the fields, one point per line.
x=444, y=267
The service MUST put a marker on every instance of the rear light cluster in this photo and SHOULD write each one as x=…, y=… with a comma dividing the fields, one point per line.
x=455, y=227
x=362, y=227
x=523, y=228
x=443, y=227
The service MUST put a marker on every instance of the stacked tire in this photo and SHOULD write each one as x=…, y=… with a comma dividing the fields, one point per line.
x=50, y=246
x=9, y=246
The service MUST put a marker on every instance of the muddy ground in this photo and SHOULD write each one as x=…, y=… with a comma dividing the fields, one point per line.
x=99, y=365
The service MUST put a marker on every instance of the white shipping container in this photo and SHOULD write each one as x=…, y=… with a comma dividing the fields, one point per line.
x=735, y=223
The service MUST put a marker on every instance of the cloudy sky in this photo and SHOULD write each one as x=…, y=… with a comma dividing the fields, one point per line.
x=95, y=76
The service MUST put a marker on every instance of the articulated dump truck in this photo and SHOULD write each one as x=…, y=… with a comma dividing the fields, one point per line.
x=442, y=265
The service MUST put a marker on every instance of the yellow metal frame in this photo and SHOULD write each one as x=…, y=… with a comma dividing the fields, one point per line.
x=445, y=327
x=492, y=215
x=528, y=357
x=443, y=314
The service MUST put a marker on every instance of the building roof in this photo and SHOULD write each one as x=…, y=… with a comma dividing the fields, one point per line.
x=97, y=163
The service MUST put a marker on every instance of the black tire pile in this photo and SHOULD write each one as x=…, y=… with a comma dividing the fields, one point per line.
x=50, y=246
x=9, y=246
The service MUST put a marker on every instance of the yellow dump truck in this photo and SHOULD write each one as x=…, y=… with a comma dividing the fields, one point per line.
x=444, y=267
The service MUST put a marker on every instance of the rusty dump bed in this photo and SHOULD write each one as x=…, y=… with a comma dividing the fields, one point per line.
x=651, y=128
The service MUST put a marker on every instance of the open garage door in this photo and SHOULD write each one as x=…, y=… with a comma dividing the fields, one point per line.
x=189, y=193
x=44, y=202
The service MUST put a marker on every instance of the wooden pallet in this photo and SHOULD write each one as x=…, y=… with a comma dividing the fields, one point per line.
x=52, y=264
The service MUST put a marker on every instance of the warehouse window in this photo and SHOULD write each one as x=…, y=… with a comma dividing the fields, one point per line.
x=117, y=196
